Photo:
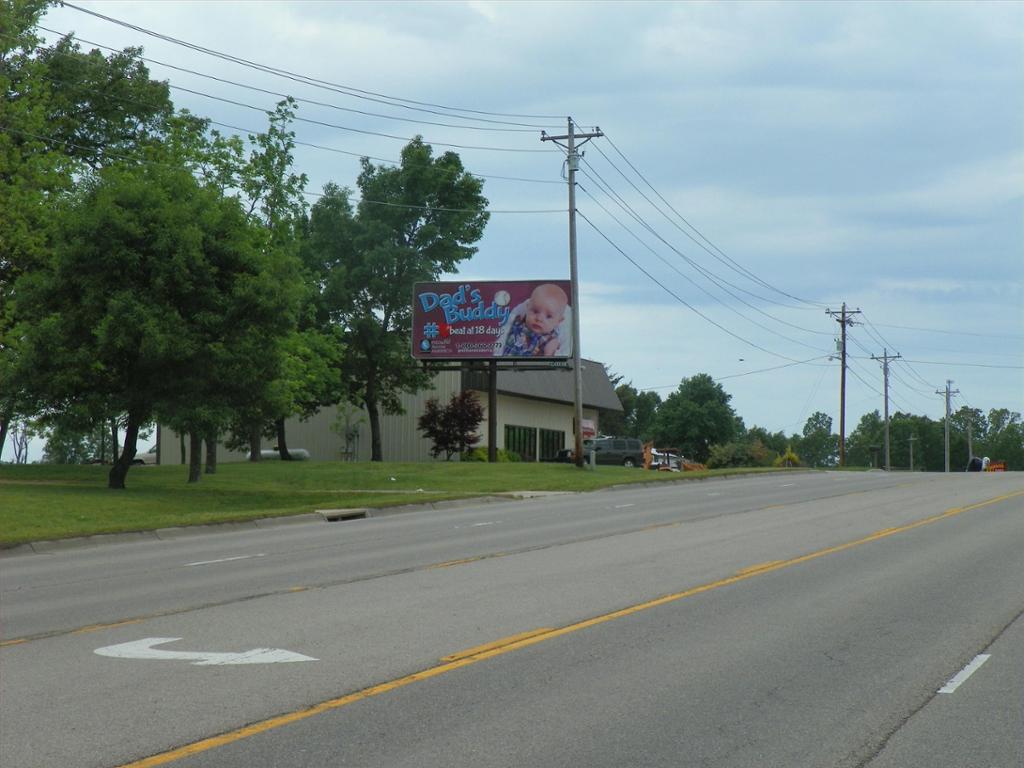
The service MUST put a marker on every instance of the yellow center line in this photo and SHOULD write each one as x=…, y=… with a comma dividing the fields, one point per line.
x=534, y=637
x=475, y=651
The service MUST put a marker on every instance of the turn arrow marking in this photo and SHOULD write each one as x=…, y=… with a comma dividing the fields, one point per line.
x=143, y=649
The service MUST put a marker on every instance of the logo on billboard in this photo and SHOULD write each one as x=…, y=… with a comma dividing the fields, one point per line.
x=485, y=320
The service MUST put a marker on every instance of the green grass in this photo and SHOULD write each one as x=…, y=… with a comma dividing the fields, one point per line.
x=43, y=502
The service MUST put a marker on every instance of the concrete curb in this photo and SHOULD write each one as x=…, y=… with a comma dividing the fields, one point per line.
x=170, y=534
x=53, y=546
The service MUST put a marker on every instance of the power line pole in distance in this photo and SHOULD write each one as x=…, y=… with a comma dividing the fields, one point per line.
x=947, y=393
x=844, y=320
x=573, y=163
x=885, y=358
x=912, y=439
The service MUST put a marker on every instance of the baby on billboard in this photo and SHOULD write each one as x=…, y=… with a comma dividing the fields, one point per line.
x=539, y=326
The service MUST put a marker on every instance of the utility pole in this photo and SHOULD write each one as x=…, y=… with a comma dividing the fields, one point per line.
x=947, y=393
x=573, y=164
x=843, y=320
x=912, y=439
x=885, y=358
x=970, y=446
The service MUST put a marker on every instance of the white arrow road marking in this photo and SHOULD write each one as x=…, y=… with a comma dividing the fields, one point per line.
x=143, y=649
x=223, y=560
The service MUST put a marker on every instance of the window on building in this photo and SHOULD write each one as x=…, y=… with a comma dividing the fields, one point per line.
x=522, y=440
x=551, y=442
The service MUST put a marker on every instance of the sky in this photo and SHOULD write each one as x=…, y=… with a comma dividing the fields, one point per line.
x=761, y=163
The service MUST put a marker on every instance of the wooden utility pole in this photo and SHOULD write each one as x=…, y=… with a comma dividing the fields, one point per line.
x=844, y=320
x=573, y=164
x=947, y=393
x=912, y=439
x=885, y=358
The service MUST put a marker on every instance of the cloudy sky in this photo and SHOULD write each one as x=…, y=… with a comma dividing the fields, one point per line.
x=762, y=162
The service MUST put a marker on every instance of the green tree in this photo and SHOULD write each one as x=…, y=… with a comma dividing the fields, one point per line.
x=63, y=113
x=155, y=295
x=1005, y=438
x=695, y=417
x=412, y=223
x=818, y=447
x=863, y=443
x=642, y=419
x=775, y=442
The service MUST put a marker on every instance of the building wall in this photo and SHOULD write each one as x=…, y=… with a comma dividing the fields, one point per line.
x=322, y=435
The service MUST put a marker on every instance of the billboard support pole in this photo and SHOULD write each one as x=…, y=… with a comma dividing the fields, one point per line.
x=572, y=164
x=492, y=411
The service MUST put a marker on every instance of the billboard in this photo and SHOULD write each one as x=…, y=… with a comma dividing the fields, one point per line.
x=471, y=320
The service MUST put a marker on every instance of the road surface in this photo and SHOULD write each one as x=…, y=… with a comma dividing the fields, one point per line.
x=784, y=620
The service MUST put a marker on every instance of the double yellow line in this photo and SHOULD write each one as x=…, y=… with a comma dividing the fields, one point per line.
x=532, y=637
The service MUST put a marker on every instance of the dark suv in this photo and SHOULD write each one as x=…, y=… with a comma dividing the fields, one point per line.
x=623, y=451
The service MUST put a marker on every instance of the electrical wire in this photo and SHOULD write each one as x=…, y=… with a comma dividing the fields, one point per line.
x=140, y=161
x=280, y=95
x=708, y=275
x=253, y=131
x=679, y=298
x=722, y=256
x=953, y=333
x=412, y=104
x=685, y=276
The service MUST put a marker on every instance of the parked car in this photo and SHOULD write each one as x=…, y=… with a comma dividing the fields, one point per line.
x=622, y=451
x=149, y=457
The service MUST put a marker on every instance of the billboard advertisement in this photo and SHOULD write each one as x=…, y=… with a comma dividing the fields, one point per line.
x=471, y=320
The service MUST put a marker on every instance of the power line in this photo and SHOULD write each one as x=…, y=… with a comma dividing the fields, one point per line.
x=687, y=278
x=722, y=256
x=679, y=298
x=280, y=95
x=708, y=275
x=421, y=106
x=140, y=161
x=968, y=365
x=951, y=332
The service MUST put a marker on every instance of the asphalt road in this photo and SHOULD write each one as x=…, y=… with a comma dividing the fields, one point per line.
x=797, y=620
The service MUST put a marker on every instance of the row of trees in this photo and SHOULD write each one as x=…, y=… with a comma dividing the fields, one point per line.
x=152, y=268
x=698, y=420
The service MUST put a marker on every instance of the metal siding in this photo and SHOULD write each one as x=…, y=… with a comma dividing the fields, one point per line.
x=400, y=438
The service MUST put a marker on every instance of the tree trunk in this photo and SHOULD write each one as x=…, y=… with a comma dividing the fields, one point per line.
x=282, y=442
x=211, y=453
x=181, y=440
x=255, y=440
x=113, y=437
x=119, y=471
x=5, y=423
x=195, y=457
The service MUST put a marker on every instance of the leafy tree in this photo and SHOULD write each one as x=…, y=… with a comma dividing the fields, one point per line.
x=412, y=223
x=616, y=422
x=862, y=442
x=695, y=417
x=1005, y=438
x=452, y=429
x=155, y=294
x=775, y=442
x=818, y=447
x=63, y=112
x=642, y=419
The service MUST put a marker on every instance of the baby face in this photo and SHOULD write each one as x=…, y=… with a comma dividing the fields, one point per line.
x=546, y=309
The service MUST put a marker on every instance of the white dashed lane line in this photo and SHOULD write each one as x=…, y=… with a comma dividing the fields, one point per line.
x=222, y=560
x=961, y=677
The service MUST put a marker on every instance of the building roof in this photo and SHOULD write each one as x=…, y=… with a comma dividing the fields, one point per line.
x=553, y=384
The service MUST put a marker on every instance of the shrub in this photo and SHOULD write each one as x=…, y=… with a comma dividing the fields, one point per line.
x=480, y=454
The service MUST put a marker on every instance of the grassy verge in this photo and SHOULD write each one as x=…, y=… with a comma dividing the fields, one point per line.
x=40, y=502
